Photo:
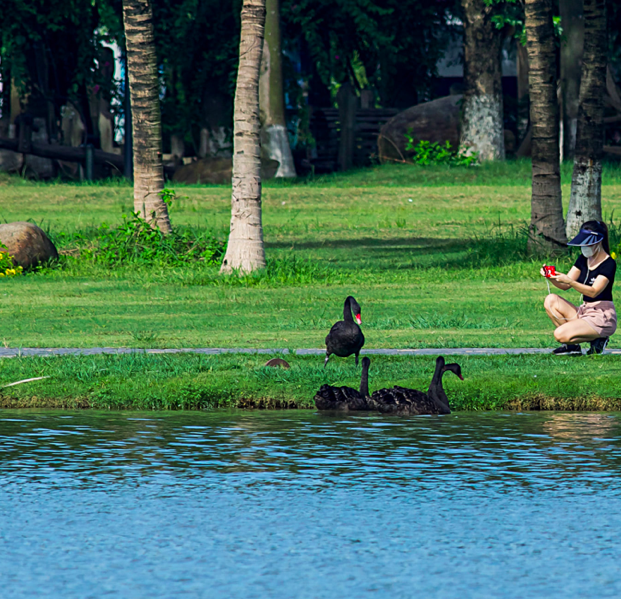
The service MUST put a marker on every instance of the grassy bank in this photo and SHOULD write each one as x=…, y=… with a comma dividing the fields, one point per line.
x=435, y=256
x=140, y=382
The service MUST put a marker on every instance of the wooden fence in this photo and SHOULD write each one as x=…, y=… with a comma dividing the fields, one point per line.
x=331, y=153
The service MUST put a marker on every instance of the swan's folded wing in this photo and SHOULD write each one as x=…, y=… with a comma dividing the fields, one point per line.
x=356, y=402
x=384, y=400
x=413, y=401
x=338, y=398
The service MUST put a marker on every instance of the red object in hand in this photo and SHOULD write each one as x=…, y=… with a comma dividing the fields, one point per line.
x=550, y=270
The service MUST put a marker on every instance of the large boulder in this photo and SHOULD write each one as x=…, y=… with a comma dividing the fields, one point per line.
x=217, y=171
x=34, y=166
x=433, y=121
x=10, y=162
x=27, y=244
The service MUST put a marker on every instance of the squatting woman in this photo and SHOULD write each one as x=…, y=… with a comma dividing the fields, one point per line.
x=592, y=275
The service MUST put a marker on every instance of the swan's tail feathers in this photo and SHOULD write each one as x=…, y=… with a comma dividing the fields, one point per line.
x=344, y=399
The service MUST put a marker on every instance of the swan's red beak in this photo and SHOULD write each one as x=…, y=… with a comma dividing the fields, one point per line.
x=461, y=377
x=358, y=319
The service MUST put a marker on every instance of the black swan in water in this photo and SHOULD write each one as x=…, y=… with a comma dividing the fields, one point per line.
x=345, y=398
x=345, y=337
x=400, y=400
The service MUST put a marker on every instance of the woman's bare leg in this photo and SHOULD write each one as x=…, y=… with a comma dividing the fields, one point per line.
x=576, y=331
x=559, y=310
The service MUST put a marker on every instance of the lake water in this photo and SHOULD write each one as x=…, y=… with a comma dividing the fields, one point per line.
x=302, y=505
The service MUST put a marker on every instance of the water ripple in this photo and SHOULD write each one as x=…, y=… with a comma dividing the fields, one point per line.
x=283, y=504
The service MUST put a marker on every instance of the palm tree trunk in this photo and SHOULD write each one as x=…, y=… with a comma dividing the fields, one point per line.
x=572, y=45
x=586, y=185
x=274, y=137
x=523, y=120
x=146, y=116
x=547, y=230
x=245, y=251
x=482, y=128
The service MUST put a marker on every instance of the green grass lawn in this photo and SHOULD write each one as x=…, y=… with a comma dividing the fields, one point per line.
x=198, y=381
x=434, y=256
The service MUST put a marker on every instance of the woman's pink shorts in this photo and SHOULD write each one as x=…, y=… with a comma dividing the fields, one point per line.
x=602, y=317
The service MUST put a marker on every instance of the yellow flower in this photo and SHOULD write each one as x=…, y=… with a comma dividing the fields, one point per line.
x=1, y=274
x=613, y=256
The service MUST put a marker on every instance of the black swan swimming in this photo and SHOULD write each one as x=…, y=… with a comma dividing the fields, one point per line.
x=400, y=400
x=345, y=337
x=345, y=398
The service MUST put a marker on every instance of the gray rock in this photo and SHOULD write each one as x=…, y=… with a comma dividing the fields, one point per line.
x=435, y=121
x=278, y=363
x=35, y=166
x=27, y=244
x=10, y=162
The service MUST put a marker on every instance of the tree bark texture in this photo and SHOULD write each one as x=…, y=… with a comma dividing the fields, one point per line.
x=522, y=91
x=274, y=137
x=586, y=185
x=572, y=45
x=245, y=251
x=146, y=116
x=482, y=127
x=547, y=230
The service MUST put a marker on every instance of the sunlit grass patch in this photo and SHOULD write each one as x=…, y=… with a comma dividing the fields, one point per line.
x=434, y=256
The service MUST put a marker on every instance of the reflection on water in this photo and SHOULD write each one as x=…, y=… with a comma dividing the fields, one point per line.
x=298, y=504
x=575, y=426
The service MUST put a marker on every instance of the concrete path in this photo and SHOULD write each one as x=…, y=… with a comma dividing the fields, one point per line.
x=9, y=352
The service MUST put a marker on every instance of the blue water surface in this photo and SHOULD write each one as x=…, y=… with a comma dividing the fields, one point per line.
x=295, y=504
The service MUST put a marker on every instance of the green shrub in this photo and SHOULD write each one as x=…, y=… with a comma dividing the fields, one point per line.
x=135, y=242
x=426, y=153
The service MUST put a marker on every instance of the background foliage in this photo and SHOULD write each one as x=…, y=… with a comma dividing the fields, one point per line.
x=53, y=49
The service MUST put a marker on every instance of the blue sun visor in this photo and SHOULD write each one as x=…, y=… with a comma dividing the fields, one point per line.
x=585, y=237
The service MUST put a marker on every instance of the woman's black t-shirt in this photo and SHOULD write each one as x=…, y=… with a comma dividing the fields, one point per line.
x=607, y=268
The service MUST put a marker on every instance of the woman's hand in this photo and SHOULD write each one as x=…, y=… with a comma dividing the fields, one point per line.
x=542, y=272
x=559, y=277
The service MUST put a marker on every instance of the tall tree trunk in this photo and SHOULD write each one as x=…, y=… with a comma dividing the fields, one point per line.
x=146, y=115
x=547, y=230
x=522, y=91
x=571, y=58
x=586, y=184
x=245, y=251
x=128, y=152
x=482, y=127
x=274, y=137
x=5, y=99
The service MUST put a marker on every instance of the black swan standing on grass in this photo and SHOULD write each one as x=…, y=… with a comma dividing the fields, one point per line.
x=345, y=398
x=400, y=400
x=345, y=337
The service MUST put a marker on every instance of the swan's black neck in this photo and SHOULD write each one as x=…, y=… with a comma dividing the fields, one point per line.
x=436, y=390
x=347, y=311
x=364, y=379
